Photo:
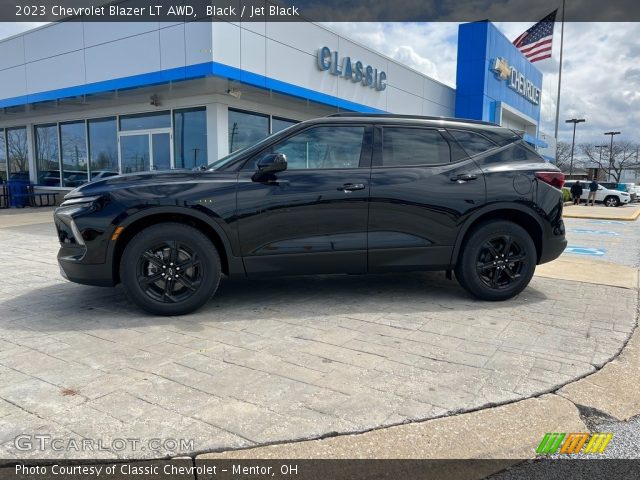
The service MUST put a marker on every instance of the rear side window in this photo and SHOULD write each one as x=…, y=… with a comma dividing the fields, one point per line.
x=473, y=143
x=402, y=146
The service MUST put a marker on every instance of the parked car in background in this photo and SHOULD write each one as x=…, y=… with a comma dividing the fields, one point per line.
x=633, y=189
x=623, y=187
x=608, y=196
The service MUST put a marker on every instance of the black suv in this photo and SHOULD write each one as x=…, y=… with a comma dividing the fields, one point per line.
x=348, y=193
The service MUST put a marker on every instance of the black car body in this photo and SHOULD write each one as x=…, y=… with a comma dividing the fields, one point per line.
x=348, y=193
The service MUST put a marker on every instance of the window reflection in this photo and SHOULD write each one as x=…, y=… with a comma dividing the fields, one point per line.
x=246, y=129
x=17, y=153
x=73, y=145
x=3, y=157
x=47, y=161
x=103, y=147
x=190, y=137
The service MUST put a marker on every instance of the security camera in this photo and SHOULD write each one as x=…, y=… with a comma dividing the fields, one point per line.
x=234, y=93
x=154, y=100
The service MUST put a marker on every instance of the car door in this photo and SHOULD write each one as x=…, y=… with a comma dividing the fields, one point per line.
x=420, y=192
x=311, y=217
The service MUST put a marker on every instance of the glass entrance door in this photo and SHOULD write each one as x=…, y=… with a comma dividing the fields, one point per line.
x=144, y=151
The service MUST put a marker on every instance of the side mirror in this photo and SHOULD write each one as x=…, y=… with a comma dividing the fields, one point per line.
x=272, y=163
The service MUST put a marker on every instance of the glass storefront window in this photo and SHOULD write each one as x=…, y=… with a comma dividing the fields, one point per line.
x=103, y=147
x=246, y=129
x=47, y=160
x=3, y=157
x=17, y=153
x=278, y=124
x=190, y=137
x=73, y=146
x=145, y=121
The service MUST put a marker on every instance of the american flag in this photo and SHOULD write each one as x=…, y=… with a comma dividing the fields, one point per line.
x=535, y=43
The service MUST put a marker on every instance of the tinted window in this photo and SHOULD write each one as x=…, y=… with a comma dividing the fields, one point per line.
x=103, y=145
x=278, y=124
x=413, y=146
x=190, y=137
x=73, y=146
x=145, y=121
x=17, y=153
x=472, y=143
x=47, y=159
x=323, y=147
x=246, y=129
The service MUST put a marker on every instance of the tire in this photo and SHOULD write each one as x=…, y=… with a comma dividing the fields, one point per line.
x=611, y=201
x=170, y=249
x=492, y=278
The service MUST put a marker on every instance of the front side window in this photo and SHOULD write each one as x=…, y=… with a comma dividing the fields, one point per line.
x=403, y=146
x=17, y=153
x=323, y=147
x=190, y=137
x=103, y=146
x=246, y=129
x=47, y=160
x=73, y=149
x=472, y=143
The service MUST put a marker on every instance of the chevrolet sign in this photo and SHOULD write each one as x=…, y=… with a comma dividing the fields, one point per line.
x=516, y=80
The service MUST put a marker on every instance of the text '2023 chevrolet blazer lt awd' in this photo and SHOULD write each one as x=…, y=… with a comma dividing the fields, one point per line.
x=348, y=193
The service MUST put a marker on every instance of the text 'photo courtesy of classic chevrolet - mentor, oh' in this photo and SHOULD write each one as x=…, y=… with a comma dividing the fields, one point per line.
x=348, y=193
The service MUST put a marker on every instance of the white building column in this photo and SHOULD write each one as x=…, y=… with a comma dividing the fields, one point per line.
x=217, y=131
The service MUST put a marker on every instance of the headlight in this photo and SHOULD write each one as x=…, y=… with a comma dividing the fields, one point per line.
x=79, y=200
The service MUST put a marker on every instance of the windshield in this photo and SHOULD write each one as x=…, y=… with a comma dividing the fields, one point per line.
x=223, y=162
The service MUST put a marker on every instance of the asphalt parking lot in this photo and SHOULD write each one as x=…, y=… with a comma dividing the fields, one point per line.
x=284, y=359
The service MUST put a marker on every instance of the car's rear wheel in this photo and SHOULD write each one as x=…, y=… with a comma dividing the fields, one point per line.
x=611, y=201
x=170, y=269
x=497, y=261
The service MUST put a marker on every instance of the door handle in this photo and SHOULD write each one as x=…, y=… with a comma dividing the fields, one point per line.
x=350, y=187
x=463, y=177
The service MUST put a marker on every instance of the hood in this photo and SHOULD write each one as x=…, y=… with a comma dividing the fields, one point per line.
x=144, y=179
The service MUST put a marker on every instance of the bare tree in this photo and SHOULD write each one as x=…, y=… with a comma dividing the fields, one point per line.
x=624, y=156
x=563, y=155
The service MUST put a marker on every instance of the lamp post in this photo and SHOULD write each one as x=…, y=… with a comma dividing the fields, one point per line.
x=611, y=152
x=575, y=121
x=599, y=161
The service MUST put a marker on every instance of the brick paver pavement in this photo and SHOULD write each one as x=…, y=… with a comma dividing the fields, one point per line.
x=280, y=359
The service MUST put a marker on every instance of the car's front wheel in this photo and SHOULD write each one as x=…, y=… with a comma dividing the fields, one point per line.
x=611, y=201
x=170, y=269
x=497, y=261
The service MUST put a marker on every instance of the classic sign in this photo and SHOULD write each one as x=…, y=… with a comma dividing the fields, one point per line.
x=516, y=80
x=356, y=71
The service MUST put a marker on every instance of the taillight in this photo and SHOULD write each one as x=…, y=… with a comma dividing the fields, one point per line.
x=555, y=179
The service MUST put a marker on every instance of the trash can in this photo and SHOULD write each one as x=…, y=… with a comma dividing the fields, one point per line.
x=18, y=193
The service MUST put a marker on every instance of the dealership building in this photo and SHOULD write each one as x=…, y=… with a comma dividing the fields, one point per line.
x=86, y=100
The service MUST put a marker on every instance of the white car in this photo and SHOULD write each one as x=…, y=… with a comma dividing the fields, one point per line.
x=610, y=198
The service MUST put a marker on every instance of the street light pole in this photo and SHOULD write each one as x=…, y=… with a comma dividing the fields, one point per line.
x=575, y=121
x=600, y=159
x=611, y=151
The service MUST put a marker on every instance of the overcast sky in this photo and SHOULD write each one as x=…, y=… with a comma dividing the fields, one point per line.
x=600, y=79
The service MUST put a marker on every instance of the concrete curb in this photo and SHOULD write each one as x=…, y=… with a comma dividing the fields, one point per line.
x=610, y=214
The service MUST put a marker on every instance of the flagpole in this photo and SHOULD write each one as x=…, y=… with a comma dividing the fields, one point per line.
x=559, y=73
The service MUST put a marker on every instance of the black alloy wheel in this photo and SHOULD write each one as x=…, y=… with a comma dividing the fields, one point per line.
x=170, y=269
x=497, y=260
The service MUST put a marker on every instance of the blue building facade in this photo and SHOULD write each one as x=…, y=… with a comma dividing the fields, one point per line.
x=495, y=82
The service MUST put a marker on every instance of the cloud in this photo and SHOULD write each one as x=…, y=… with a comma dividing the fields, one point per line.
x=600, y=79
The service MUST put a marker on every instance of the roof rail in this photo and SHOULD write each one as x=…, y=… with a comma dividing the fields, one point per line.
x=419, y=117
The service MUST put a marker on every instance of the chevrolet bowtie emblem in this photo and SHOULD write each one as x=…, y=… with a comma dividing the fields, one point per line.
x=502, y=68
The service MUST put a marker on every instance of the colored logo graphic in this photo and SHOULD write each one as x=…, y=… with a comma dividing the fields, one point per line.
x=573, y=443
